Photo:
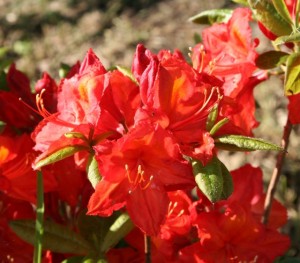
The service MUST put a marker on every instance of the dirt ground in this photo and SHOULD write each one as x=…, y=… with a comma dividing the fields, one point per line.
x=40, y=34
x=44, y=33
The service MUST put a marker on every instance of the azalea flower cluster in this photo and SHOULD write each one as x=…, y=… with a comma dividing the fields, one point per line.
x=226, y=231
x=132, y=140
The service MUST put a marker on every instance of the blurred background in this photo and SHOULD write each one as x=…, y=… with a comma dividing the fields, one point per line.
x=39, y=35
x=44, y=33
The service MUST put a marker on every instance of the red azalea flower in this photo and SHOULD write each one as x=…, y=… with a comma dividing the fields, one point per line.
x=228, y=53
x=176, y=232
x=231, y=234
x=13, y=111
x=231, y=230
x=48, y=86
x=17, y=178
x=178, y=217
x=178, y=98
x=254, y=197
x=93, y=104
x=138, y=170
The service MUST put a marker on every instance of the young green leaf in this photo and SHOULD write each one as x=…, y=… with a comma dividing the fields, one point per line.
x=292, y=75
x=92, y=171
x=63, y=70
x=209, y=178
x=282, y=10
x=119, y=229
x=212, y=116
x=59, y=155
x=210, y=17
x=57, y=238
x=271, y=59
x=266, y=13
x=243, y=143
x=126, y=72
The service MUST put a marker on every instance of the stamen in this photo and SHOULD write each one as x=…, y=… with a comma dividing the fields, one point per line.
x=148, y=184
x=28, y=106
x=139, y=178
x=212, y=65
x=172, y=207
x=202, y=53
x=195, y=116
x=206, y=100
x=40, y=105
x=180, y=213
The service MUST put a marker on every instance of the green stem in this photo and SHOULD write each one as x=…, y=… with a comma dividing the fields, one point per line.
x=39, y=229
x=276, y=172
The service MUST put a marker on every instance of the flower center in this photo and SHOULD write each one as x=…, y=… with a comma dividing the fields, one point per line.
x=137, y=177
x=171, y=210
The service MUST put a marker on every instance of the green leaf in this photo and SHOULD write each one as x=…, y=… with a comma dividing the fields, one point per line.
x=3, y=82
x=282, y=10
x=242, y=2
x=210, y=17
x=243, y=143
x=3, y=51
x=63, y=70
x=266, y=13
x=95, y=228
x=271, y=59
x=297, y=12
x=209, y=178
x=92, y=171
x=197, y=38
x=76, y=135
x=292, y=75
x=118, y=230
x=59, y=155
x=227, y=182
x=212, y=116
x=76, y=259
x=294, y=37
x=126, y=72
x=57, y=238
x=86, y=259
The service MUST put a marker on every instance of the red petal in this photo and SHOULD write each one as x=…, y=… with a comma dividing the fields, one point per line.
x=107, y=198
x=148, y=208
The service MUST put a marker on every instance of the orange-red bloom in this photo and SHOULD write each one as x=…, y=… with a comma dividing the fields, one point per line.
x=93, y=104
x=228, y=53
x=138, y=170
x=17, y=178
x=178, y=98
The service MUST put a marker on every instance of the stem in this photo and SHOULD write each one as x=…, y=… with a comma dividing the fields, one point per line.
x=147, y=243
x=276, y=172
x=39, y=230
